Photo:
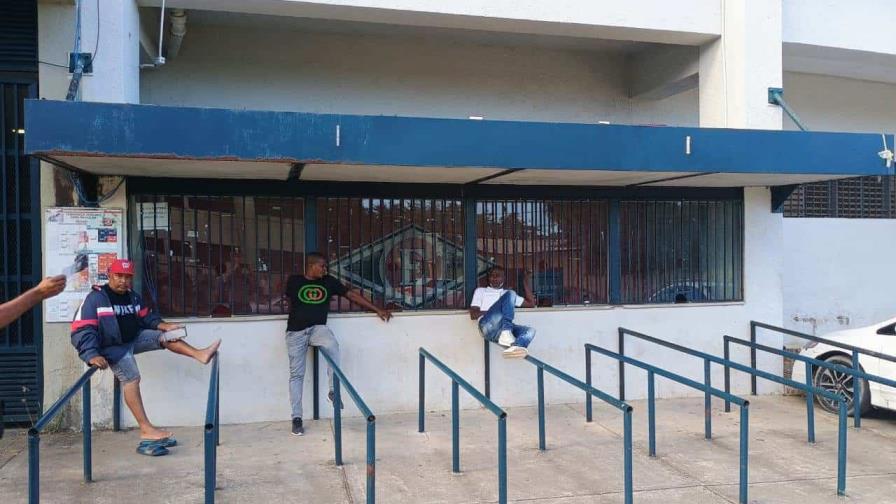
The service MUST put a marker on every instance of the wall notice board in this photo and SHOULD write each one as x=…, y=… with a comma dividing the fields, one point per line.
x=94, y=232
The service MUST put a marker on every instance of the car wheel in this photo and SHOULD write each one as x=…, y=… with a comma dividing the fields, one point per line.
x=840, y=384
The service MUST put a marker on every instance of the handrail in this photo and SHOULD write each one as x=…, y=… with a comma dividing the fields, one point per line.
x=456, y=382
x=856, y=386
x=857, y=375
x=338, y=380
x=82, y=383
x=841, y=435
x=651, y=405
x=212, y=429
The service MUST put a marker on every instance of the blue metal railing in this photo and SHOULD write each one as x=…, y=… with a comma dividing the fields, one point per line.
x=709, y=358
x=83, y=384
x=212, y=430
x=810, y=362
x=651, y=406
x=339, y=379
x=854, y=350
x=628, y=489
x=456, y=382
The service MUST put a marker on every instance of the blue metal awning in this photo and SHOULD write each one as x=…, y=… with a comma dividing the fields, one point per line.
x=151, y=140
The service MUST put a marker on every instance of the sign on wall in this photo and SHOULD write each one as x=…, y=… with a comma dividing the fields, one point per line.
x=94, y=232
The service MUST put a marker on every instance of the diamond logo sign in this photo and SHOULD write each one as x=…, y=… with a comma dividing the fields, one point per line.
x=410, y=267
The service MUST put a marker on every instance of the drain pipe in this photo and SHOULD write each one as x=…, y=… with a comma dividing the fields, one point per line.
x=776, y=97
x=178, y=29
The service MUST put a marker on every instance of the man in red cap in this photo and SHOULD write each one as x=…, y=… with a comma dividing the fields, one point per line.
x=111, y=326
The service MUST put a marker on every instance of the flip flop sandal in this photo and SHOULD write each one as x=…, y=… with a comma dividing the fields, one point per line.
x=152, y=450
x=167, y=442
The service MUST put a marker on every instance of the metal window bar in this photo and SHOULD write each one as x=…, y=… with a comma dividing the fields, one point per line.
x=339, y=379
x=854, y=351
x=456, y=382
x=651, y=406
x=82, y=384
x=709, y=358
x=859, y=197
x=212, y=436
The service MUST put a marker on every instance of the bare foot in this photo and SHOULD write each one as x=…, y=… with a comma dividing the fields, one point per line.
x=206, y=354
x=154, y=433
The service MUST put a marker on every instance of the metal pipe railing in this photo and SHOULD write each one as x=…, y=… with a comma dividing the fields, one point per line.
x=212, y=429
x=589, y=390
x=651, y=405
x=810, y=362
x=83, y=384
x=339, y=379
x=456, y=382
x=841, y=435
x=854, y=350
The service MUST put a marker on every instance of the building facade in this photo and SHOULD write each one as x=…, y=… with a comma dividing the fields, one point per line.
x=623, y=154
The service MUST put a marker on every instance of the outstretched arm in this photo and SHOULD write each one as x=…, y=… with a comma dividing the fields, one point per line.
x=355, y=297
x=14, y=309
x=527, y=291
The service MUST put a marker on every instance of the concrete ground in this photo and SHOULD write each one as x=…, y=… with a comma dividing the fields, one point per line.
x=583, y=463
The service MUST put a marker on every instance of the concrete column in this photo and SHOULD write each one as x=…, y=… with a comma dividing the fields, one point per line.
x=116, y=65
x=737, y=69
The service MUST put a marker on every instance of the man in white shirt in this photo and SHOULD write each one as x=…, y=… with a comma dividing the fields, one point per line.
x=494, y=307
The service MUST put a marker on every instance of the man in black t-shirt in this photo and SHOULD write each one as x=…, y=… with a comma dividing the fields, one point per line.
x=309, y=303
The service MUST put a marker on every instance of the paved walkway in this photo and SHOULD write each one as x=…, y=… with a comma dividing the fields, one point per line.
x=583, y=464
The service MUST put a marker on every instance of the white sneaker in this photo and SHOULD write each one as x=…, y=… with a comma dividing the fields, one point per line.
x=515, y=352
x=505, y=339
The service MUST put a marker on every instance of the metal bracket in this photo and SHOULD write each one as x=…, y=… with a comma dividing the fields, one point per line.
x=780, y=195
x=776, y=97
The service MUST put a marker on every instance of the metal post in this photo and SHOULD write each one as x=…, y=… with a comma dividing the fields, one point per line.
x=541, y=440
x=588, y=407
x=421, y=392
x=209, y=464
x=753, y=358
x=502, y=460
x=727, y=354
x=810, y=403
x=116, y=405
x=744, y=451
x=217, y=406
x=856, y=392
x=371, y=462
x=86, y=432
x=627, y=455
x=488, y=372
x=337, y=420
x=315, y=371
x=621, y=365
x=707, y=399
x=455, y=428
x=651, y=415
x=841, y=451
x=33, y=467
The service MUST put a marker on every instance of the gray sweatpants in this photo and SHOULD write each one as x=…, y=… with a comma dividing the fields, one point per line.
x=297, y=343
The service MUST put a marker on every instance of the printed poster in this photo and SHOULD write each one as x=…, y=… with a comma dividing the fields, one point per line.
x=94, y=232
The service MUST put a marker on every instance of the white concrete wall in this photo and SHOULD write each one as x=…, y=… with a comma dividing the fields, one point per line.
x=410, y=76
x=826, y=103
x=382, y=358
x=839, y=273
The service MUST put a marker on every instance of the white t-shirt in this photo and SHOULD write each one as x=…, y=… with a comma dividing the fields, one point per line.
x=485, y=297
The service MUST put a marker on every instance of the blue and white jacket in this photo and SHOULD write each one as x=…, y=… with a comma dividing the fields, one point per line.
x=95, y=329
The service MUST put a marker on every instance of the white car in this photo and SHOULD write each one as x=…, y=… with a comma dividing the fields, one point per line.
x=881, y=338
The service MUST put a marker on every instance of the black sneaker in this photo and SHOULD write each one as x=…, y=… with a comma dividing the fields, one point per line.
x=332, y=397
x=297, y=429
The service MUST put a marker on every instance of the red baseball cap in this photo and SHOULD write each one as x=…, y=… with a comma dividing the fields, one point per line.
x=122, y=266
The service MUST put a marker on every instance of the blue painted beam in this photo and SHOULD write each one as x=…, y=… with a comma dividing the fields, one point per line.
x=57, y=128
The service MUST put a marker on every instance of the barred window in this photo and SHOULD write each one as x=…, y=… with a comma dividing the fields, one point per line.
x=405, y=254
x=681, y=251
x=563, y=244
x=860, y=197
x=217, y=256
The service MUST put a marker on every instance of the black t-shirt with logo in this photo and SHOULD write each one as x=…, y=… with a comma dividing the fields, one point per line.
x=125, y=313
x=309, y=300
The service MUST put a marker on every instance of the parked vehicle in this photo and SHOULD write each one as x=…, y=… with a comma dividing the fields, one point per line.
x=881, y=338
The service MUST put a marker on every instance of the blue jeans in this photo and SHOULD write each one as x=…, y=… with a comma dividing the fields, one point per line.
x=297, y=343
x=500, y=317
